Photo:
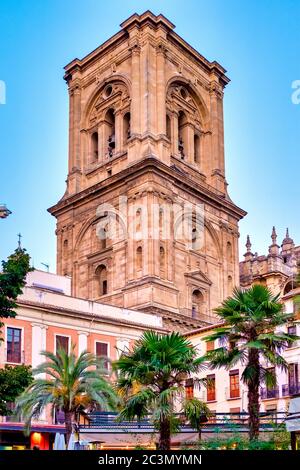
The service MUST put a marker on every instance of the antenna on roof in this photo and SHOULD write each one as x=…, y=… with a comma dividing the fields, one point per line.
x=46, y=266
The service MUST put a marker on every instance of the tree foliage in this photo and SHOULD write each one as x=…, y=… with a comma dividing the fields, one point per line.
x=12, y=281
x=71, y=384
x=152, y=376
x=13, y=381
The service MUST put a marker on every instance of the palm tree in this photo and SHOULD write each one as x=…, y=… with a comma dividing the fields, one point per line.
x=152, y=376
x=250, y=334
x=71, y=384
x=197, y=413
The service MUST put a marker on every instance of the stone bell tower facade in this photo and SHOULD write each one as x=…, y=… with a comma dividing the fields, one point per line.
x=146, y=153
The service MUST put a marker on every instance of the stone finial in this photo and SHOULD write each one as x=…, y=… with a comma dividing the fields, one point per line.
x=248, y=244
x=274, y=236
x=287, y=242
x=287, y=235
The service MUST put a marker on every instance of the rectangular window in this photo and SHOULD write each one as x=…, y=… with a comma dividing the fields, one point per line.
x=234, y=384
x=211, y=387
x=62, y=342
x=13, y=345
x=189, y=389
x=292, y=330
x=102, y=352
x=293, y=375
x=210, y=346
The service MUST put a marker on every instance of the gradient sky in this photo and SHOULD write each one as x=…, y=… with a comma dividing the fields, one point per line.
x=258, y=42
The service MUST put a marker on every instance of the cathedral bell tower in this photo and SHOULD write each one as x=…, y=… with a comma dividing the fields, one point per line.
x=146, y=221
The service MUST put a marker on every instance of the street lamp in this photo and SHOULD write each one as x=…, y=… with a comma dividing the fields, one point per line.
x=4, y=212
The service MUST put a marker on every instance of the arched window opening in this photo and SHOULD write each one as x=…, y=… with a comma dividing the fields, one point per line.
x=101, y=275
x=127, y=131
x=139, y=258
x=162, y=258
x=197, y=303
x=182, y=134
x=110, y=134
x=94, y=146
x=289, y=286
x=196, y=148
x=168, y=127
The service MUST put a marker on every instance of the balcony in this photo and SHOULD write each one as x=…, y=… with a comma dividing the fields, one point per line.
x=290, y=389
x=269, y=393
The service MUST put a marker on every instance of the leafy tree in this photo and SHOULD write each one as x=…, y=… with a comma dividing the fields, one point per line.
x=12, y=281
x=252, y=320
x=13, y=381
x=72, y=384
x=152, y=376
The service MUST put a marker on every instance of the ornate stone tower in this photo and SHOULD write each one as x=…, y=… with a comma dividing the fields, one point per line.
x=146, y=154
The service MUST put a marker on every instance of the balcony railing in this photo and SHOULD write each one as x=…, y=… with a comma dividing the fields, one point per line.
x=290, y=389
x=266, y=393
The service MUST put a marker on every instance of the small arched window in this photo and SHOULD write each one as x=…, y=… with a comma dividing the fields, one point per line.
x=139, y=258
x=101, y=277
x=94, y=146
x=197, y=303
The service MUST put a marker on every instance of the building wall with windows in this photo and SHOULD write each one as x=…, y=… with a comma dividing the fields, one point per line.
x=49, y=318
x=225, y=391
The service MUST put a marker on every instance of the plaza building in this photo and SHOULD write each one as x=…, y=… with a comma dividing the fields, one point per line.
x=48, y=318
x=226, y=392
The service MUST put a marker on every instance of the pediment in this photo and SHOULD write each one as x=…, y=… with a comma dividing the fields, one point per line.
x=198, y=276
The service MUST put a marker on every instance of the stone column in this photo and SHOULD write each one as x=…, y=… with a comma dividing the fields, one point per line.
x=160, y=94
x=76, y=129
x=135, y=90
x=118, y=131
x=82, y=341
x=189, y=151
x=122, y=344
x=102, y=141
x=38, y=343
x=174, y=133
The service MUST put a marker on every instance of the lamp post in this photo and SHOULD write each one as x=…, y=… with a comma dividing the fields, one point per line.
x=4, y=212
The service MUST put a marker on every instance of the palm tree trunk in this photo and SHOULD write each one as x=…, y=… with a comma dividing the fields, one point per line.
x=164, y=434
x=253, y=395
x=68, y=425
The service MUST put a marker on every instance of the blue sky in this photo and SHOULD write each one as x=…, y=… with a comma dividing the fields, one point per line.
x=258, y=42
